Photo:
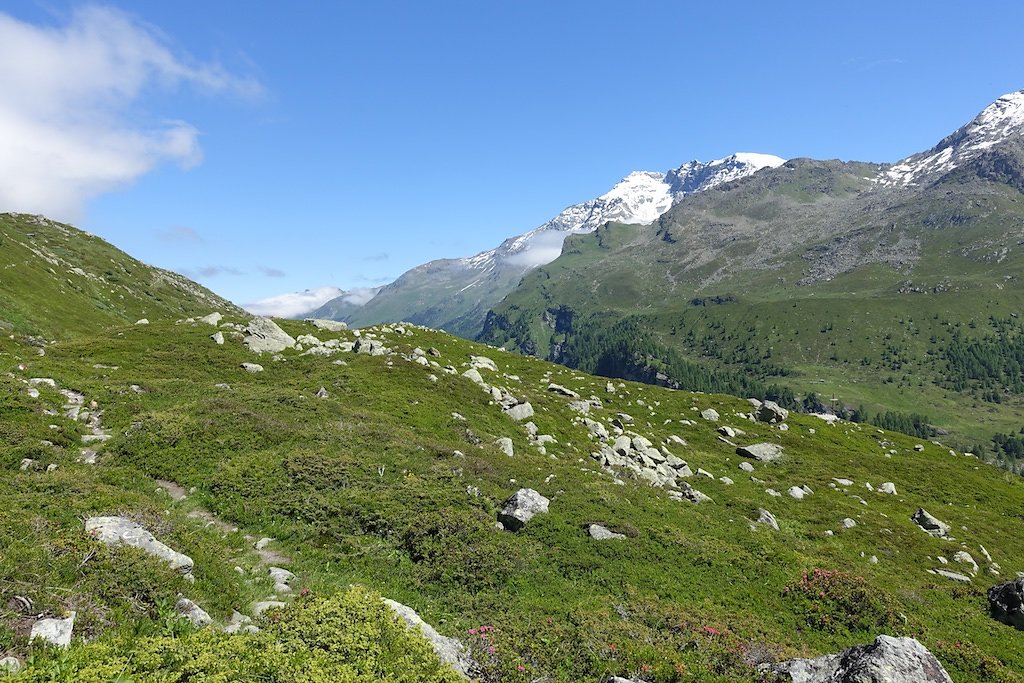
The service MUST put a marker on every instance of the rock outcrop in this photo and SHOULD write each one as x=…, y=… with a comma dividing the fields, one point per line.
x=1007, y=602
x=930, y=523
x=264, y=336
x=887, y=660
x=449, y=650
x=521, y=507
x=771, y=412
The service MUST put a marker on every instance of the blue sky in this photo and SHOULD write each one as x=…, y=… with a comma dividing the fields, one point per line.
x=298, y=145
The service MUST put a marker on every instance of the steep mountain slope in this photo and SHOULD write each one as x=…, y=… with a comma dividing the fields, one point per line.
x=455, y=294
x=383, y=457
x=894, y=287
x=56, y=279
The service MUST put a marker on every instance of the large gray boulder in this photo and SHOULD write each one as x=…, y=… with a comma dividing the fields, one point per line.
x=887, y=660
x=211, y=319
x=764, y=452
x=1007, y=602
x=117, y=531
x=771, y=412
x=449, y=650
x=54, y=631
x=264, y=336
x=520, y=411
x=520, y=508
x=929, y=523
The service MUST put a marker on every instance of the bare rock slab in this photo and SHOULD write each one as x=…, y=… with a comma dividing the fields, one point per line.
x=117, y=531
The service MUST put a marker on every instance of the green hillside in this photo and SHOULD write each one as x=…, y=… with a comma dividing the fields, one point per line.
x=56, y=280
x=810, y=277
x=382, y=471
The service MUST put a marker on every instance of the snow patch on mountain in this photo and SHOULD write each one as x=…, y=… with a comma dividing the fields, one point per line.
x=997, y=122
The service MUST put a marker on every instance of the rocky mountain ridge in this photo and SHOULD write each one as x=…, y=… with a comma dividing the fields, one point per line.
x=821, y=276
x=454, y=294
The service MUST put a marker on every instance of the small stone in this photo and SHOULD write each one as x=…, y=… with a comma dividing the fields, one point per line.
x=10, y=666
x=252, y=367
x=195, y=614
x=506, y=446
x=260, y=607
x=767, y=518
x=54, y=631
x=600, y=533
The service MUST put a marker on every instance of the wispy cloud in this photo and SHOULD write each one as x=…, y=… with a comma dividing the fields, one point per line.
x=380, y=256
x=180, y=233
x=210, y=271
x=295, y=304
x=267, y=271
x=69, y=129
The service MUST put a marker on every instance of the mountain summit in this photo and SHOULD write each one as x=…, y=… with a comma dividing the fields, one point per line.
x=1001, y=121
x=455, y=294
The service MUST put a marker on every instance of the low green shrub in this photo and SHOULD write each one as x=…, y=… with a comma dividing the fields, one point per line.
x=837, y=602
x=348, y=637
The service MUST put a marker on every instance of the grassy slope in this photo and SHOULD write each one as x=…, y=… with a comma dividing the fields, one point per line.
x=365, y=487
x=853, y=335
x=57, y=280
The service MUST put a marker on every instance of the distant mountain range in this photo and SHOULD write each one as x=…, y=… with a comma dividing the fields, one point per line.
x=892, y=287
x=455, y=294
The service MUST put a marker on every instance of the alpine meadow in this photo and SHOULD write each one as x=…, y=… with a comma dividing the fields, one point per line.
x=751, y=418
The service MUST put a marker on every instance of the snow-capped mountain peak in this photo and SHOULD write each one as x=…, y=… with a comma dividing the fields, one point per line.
x=639, y=198
x=998, y=121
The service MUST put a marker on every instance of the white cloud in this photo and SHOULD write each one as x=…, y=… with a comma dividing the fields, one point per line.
x=360, y=295
x=294, y=305
x=543, y=248
x=68, y=131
